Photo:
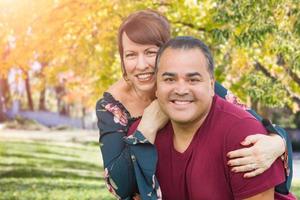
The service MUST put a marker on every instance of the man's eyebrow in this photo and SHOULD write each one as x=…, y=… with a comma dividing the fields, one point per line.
x=168, y=74
x=193, y=74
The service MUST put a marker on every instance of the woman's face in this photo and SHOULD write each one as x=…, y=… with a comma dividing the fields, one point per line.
x=139, y=62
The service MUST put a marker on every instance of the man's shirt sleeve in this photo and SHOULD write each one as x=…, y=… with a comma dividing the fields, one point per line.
x=247, y=187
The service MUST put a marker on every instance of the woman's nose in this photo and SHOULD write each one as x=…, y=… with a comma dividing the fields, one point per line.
x=142, y=63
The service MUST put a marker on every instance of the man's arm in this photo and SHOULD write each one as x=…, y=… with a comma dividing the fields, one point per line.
x=266, y=195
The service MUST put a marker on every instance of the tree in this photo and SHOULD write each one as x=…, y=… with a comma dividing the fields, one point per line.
x=256, y=44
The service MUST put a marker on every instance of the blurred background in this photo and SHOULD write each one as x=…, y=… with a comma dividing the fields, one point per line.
x=58, y=56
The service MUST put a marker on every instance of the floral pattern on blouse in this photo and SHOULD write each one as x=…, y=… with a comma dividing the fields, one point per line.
x=119, y=115
x=109, y=183
x=122, y=159
x=234, y=100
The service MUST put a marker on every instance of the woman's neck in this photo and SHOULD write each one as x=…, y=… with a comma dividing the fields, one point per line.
x=136, y=101
x=145, y=96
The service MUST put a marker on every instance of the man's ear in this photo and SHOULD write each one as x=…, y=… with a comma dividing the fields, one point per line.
x=212, y=83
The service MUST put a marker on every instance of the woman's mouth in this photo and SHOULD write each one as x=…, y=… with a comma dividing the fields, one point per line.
x=145, y=76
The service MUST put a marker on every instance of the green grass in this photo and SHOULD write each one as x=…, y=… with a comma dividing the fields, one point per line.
x=296, y=188
x=40, y=170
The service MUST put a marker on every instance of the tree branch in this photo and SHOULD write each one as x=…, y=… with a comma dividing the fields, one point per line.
x=190, y=25
x=261, y=68
x=281, y=62
x=293, y=75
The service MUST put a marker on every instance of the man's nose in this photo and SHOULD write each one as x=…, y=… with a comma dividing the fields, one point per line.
x=181, y=88
x=142, y=63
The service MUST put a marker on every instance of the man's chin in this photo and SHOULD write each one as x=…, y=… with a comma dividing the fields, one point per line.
x=180, y=121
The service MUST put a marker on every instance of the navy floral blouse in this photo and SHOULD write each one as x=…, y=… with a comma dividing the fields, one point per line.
x=130, y=161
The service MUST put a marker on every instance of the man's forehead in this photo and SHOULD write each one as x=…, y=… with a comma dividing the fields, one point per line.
x=184, y=60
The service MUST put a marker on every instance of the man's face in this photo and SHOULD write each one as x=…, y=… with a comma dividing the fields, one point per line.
x=184, y=86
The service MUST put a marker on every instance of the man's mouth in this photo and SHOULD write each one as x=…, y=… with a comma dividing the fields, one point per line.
x=145, y=76
x=181, y=102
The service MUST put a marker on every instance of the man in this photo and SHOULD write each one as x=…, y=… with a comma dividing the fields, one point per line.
x=192, y=148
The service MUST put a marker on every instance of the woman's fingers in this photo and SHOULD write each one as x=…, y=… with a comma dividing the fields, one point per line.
x=251, y=139
x=253, y=173
x=239, y=153
x=240, y=162
x=245, y=168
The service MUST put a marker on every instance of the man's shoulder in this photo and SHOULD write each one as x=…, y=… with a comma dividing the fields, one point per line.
x=231, y=111
x=235, y=122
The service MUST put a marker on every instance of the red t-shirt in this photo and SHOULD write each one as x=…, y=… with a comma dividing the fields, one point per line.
x=201, y=172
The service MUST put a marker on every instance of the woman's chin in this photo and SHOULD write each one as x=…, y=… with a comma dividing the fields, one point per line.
x=145, y=88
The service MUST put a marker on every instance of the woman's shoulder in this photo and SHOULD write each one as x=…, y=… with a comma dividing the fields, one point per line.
x=119, y=89
x=112, y=99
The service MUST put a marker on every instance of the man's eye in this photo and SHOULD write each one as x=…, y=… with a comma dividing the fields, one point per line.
x=168, y=80
x=194, y=80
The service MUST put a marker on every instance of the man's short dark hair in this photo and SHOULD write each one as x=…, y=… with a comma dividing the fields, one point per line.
x=188, y=42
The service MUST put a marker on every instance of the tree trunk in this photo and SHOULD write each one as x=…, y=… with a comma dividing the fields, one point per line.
x=28, y=92
x=82, y=117
x=42, y=102
x=3, y=99
x=2, y=107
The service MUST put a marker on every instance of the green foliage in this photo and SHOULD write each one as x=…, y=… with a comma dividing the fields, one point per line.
x=33, y=170
x=262, y=89
x=80, y=37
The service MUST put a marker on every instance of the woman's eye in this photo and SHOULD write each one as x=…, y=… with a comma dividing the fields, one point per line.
x=128, y=55
x=151, y=53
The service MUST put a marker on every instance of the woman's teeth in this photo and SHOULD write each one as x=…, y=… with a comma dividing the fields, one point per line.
x=144, y=77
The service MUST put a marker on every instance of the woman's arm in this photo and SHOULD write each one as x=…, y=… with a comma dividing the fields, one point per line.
x=119, y=173
x=258, y=158
x=142, y=148
x=152, y=120
x=129, y=161
x=264, y=149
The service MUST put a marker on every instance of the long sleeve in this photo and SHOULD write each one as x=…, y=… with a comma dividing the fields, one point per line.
x=119, y=173
x=129, y=161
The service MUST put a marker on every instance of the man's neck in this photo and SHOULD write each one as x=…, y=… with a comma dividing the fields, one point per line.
x=184, y=132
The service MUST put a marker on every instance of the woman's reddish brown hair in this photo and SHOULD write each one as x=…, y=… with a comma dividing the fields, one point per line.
x=144, y=27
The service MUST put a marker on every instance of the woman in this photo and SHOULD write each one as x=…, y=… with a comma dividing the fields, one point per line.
x=129, y=162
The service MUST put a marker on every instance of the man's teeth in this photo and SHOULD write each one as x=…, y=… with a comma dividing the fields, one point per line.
x=181, y=102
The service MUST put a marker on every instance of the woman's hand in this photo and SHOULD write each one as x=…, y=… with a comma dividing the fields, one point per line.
x=259, y=157
x=137, y=197
x=153, y=119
